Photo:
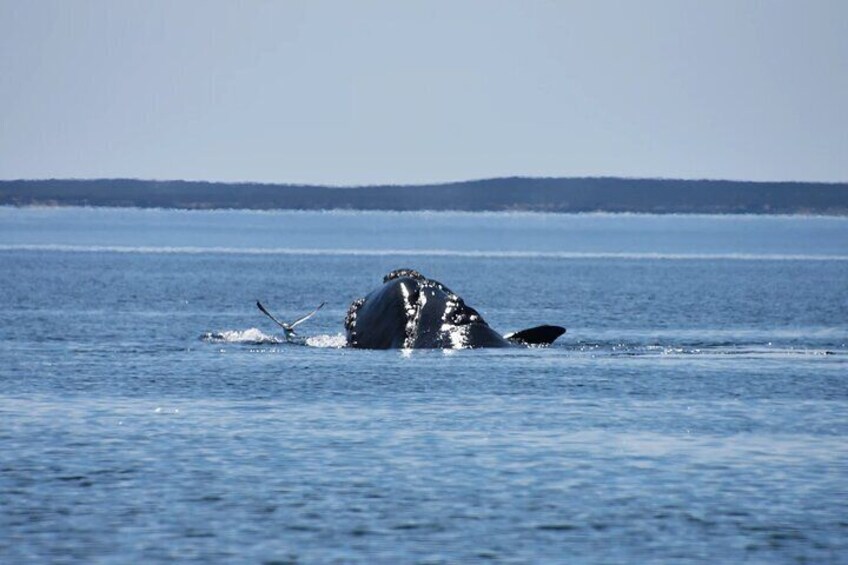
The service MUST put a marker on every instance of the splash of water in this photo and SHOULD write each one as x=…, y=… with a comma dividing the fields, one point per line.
x=253, y=336
x=336, y=341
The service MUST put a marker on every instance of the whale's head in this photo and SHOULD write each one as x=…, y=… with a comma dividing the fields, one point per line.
x=412, y=311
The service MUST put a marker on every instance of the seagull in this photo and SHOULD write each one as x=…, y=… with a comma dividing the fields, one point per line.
x=288, y=328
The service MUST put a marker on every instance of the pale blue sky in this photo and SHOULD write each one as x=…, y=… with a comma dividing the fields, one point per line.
x=371, y=92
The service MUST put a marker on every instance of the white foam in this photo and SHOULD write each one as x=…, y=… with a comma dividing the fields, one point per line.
x=255, y=336
x=489, y=254
x=252, y=336
x=336, y=341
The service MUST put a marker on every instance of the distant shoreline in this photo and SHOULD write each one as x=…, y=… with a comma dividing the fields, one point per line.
x=740, y=215
x=513, y=194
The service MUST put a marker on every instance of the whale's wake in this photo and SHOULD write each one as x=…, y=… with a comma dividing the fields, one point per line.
x=255, y=336
x=252, y=336
x=335, y=341
x=601, y=348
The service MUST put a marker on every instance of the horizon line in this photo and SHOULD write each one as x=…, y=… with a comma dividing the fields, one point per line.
x=423, y=184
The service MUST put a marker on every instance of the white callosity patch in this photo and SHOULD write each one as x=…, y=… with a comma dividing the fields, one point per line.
x=413, y=316
x=457, y=335
x=350, y=318
x=455, y=315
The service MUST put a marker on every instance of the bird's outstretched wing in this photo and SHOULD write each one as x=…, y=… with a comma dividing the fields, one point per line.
x=289, y=328
x=276, y=321
x=304, y=318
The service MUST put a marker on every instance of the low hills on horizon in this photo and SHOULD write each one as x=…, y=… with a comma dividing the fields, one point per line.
x=563, y=195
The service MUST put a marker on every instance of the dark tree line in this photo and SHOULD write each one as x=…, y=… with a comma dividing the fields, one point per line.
x=532, y=194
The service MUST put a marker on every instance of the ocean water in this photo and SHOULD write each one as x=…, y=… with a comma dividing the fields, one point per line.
x=696, y=410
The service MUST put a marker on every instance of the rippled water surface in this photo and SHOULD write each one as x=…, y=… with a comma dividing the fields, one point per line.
x=696, y=410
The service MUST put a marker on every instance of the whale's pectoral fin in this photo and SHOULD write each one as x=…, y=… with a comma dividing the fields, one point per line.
x=540, y=335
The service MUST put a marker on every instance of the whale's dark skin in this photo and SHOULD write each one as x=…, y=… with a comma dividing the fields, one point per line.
x=411, y=311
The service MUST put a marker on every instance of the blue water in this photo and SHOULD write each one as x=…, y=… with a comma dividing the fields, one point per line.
x=696, y=410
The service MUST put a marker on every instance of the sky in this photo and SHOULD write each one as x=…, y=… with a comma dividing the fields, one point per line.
x=352, y=93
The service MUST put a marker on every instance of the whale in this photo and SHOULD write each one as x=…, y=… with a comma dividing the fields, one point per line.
x=411, y=311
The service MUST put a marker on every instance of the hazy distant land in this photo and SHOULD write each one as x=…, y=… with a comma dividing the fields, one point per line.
x=500, y=194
